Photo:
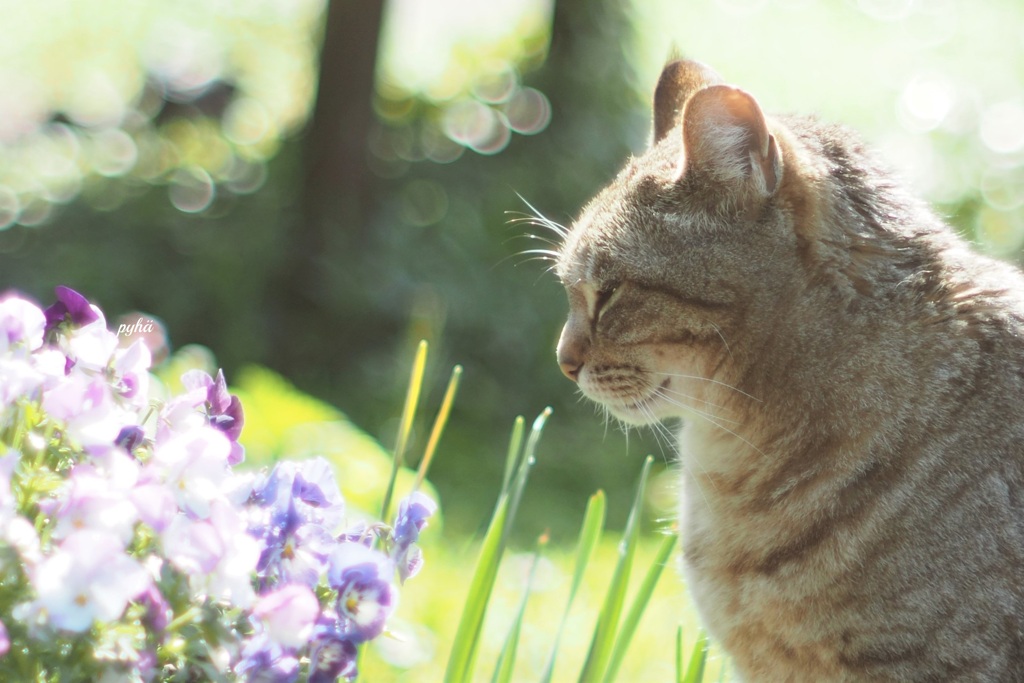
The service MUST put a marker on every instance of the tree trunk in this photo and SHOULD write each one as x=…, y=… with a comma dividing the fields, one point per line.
x=336, y=189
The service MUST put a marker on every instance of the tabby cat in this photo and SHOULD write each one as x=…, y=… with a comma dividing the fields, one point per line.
x=850, y=378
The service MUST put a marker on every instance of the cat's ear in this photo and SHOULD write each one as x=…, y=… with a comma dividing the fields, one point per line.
x=725, y=136
x=679, y=80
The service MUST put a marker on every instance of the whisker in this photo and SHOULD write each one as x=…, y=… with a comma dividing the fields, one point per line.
x=722, y=336
x=674, y=442
x=696, y=411
x=545, y=253
x=713, y=381
x=714, y=421
x=558, y=229
x=707, y=403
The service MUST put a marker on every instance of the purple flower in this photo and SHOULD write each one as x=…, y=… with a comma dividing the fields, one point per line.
x=131, y=373
x=366, y=596
x=293, y=552
x=130, y=438
x=332, y=657
x=413, y=512
x=264, y=661
x=71, y=307
x=223, y=410
x=308, y=488
x=288, y=615
x=158, y=611
x=5, y=640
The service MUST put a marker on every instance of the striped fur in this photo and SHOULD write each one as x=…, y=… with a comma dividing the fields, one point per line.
x=850, y=378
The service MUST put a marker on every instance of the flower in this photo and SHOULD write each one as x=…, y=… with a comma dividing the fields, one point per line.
x=72, y=308
x=130, y=438
x=194, y=466
x=216, y=553
x=293, y=551
x=366, y=596
x=89, y=577
x=308, y=486
x=85, y=404
x=131, y=373
x=288, y=614
x=21, y=324
x=413, y=512
x=126, y=534
x=223, y=410
x=264, y=661
x=95, y=499
x=332, y=658
x=158, y=611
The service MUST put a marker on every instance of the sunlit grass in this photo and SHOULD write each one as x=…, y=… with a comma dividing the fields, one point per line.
x=433, y=601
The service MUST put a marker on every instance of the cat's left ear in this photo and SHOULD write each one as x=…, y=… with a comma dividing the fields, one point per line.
x=725, y=136
x=678, y=82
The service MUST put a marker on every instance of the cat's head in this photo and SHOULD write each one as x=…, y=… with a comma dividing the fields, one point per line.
x=674, y=269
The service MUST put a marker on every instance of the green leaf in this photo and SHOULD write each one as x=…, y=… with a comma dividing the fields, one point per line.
x=525, y=463
x=515, y=444
x=679, y=654
x=412, y=398
x=467, y=637
x=590, y=534
x=460, y=661
x=507, y=659
x=695, y=670
x=636, y=610
x=439, y=425
x=603, y=642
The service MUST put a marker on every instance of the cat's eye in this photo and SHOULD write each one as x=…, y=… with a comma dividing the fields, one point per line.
x=603, y=298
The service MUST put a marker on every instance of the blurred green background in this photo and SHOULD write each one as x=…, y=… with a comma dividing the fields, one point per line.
x=314, y=186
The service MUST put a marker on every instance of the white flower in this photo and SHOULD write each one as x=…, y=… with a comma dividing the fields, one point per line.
x=21, y=324
x=194, y=466
x=217, y=553
x=88, y=578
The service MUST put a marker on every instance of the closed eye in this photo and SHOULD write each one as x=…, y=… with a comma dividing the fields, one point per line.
x=604, y=299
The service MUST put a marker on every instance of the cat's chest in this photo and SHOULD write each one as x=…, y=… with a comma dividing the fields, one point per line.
x=776, y=625
x=766, y=585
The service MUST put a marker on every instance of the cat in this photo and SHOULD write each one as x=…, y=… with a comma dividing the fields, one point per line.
x=850, y=378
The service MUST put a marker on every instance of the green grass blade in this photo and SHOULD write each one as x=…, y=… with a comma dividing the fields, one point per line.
x=460, y=661
x=515, y=444
x=507, y=659
x=526, y=462
x=412, y=398
x=590, y=534
x=611, y=612
x=467, y=636
x=439, y=425
x=636, y=610
x=679, y=655
x=698, y=660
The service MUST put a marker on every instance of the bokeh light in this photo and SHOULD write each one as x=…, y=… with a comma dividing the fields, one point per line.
x=195, y=96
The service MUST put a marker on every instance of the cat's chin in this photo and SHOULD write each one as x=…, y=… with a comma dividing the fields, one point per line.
x=645, y=411
x=633, y=415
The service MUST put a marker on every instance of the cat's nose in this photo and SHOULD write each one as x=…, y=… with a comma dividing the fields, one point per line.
x=571, y=369
x=572, y=351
